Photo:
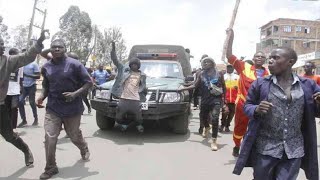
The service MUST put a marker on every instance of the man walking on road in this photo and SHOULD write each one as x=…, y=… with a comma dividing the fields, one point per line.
x=281, y=135
x=247, y=74
x=231, y=81
x=31, y=73
x=7, y=65
x=212, y=91
x=64, y=81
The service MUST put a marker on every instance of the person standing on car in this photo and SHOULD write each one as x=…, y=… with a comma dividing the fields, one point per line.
x=212, y=91
x=231, y=80
x=130, y=87
x=64, y=81
x=9, y=64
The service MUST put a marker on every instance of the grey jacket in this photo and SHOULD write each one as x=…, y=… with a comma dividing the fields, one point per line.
x=122, y=76
x=11, y=64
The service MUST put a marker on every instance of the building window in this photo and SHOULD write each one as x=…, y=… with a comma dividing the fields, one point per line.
x=298, y=28
x=307, y=30
x=287, y=28
x=306, y=44
x=275, y=28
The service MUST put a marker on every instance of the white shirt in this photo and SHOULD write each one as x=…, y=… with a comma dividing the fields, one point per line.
x=14, y=82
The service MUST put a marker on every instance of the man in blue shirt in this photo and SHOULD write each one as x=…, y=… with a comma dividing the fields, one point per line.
x=64, y=81
x=100, y=76
x=31, y=73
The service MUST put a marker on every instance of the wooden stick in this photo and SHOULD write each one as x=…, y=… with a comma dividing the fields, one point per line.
x=235, y=10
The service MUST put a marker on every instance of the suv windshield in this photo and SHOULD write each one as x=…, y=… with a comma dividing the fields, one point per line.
x=161, y=69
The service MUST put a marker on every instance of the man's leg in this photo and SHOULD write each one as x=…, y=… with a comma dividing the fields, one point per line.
x=122, y=109
x=14, y=111
x=52, y=126
x=240, y=128
x=264, y=167
x=231, y=107
x=11, y=137
x=137, y=112
x=84, y=97
x=21, y=106
x=215, y=125
x=224, y=117
x=205, y=118
x=32, y=101
x=288, y=169
x=72, y=128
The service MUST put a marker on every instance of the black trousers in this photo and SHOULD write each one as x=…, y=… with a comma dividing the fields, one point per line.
x=227, y=117
x=129, y=107
x=84, y=97
x=7, y=132
x=210, y=113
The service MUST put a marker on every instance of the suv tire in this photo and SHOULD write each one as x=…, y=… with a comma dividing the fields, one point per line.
x=180, y=123
x=104, y=122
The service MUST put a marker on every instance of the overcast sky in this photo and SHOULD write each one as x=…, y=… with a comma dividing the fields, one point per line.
x=195, y=24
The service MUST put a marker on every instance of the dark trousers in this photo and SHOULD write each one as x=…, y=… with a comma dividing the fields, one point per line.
x=210, y=112
x=270, y=168
x=7, y=132
x=227, y=117
x=12, y=104
x=195, y=98
x=31, y=92
x=84, y=97
x=132, y=107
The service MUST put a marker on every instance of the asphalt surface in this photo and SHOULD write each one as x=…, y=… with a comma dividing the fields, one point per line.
x=154, y=155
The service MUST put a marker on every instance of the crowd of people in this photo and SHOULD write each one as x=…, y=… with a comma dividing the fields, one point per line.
x=273, y=108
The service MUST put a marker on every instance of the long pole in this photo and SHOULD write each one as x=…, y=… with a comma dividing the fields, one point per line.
x=235, y=10
x=31, y=22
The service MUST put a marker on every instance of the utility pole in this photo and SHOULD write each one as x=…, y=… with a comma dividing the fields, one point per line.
x=235, y=10
x=32, y=24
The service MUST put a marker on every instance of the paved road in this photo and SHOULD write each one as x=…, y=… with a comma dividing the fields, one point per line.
x=156, y=155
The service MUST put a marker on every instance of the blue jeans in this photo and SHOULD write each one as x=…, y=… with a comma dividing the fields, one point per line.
x=31, y=92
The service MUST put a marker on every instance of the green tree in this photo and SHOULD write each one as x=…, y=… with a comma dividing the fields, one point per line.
x=75, y=29
x=4, y=31
x=103, y=45
x=20, y=36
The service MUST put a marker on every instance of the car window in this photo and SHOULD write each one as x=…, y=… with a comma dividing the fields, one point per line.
x=161, y=69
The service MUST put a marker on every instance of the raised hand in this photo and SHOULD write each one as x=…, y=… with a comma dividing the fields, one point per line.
x=42, y=36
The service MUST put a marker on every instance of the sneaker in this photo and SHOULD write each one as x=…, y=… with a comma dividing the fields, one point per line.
x=235, y=151
x=85, y=155
x=214, y=145
x=23, y=123
x=227, y=129
x=28, y=158
x=140, y=128
x=221, y=128
x=206, y=132
x=49, y=173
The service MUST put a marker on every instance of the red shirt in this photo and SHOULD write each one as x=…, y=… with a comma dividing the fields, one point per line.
x=316, y=78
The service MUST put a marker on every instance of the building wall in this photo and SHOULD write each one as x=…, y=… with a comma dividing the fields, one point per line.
x=301, y=35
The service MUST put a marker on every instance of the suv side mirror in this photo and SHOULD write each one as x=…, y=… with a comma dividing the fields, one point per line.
x=189, y=79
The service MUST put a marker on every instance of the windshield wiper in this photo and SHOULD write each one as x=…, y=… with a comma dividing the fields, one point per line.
x=168, y=77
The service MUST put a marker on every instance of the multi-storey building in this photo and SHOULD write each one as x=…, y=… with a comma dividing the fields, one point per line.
x=301, y=35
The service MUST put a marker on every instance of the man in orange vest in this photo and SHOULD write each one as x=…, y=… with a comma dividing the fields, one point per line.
x=231, y=81
x=247, y=74
x=309, y=68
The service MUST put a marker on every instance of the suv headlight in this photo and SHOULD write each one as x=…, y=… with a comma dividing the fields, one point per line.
x=171, y=97
x=103, y=94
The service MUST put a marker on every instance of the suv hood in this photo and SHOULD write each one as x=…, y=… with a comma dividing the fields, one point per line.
x=154, y=83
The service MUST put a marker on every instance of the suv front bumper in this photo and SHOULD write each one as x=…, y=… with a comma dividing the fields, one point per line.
x=156, y=111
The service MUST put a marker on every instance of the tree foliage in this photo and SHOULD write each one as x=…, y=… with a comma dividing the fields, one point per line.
x=103, y=45
x=4, y=31
x=20, y=36
x=75, y=29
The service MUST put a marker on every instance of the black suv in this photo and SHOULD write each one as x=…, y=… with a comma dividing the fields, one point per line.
x=165, y=103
